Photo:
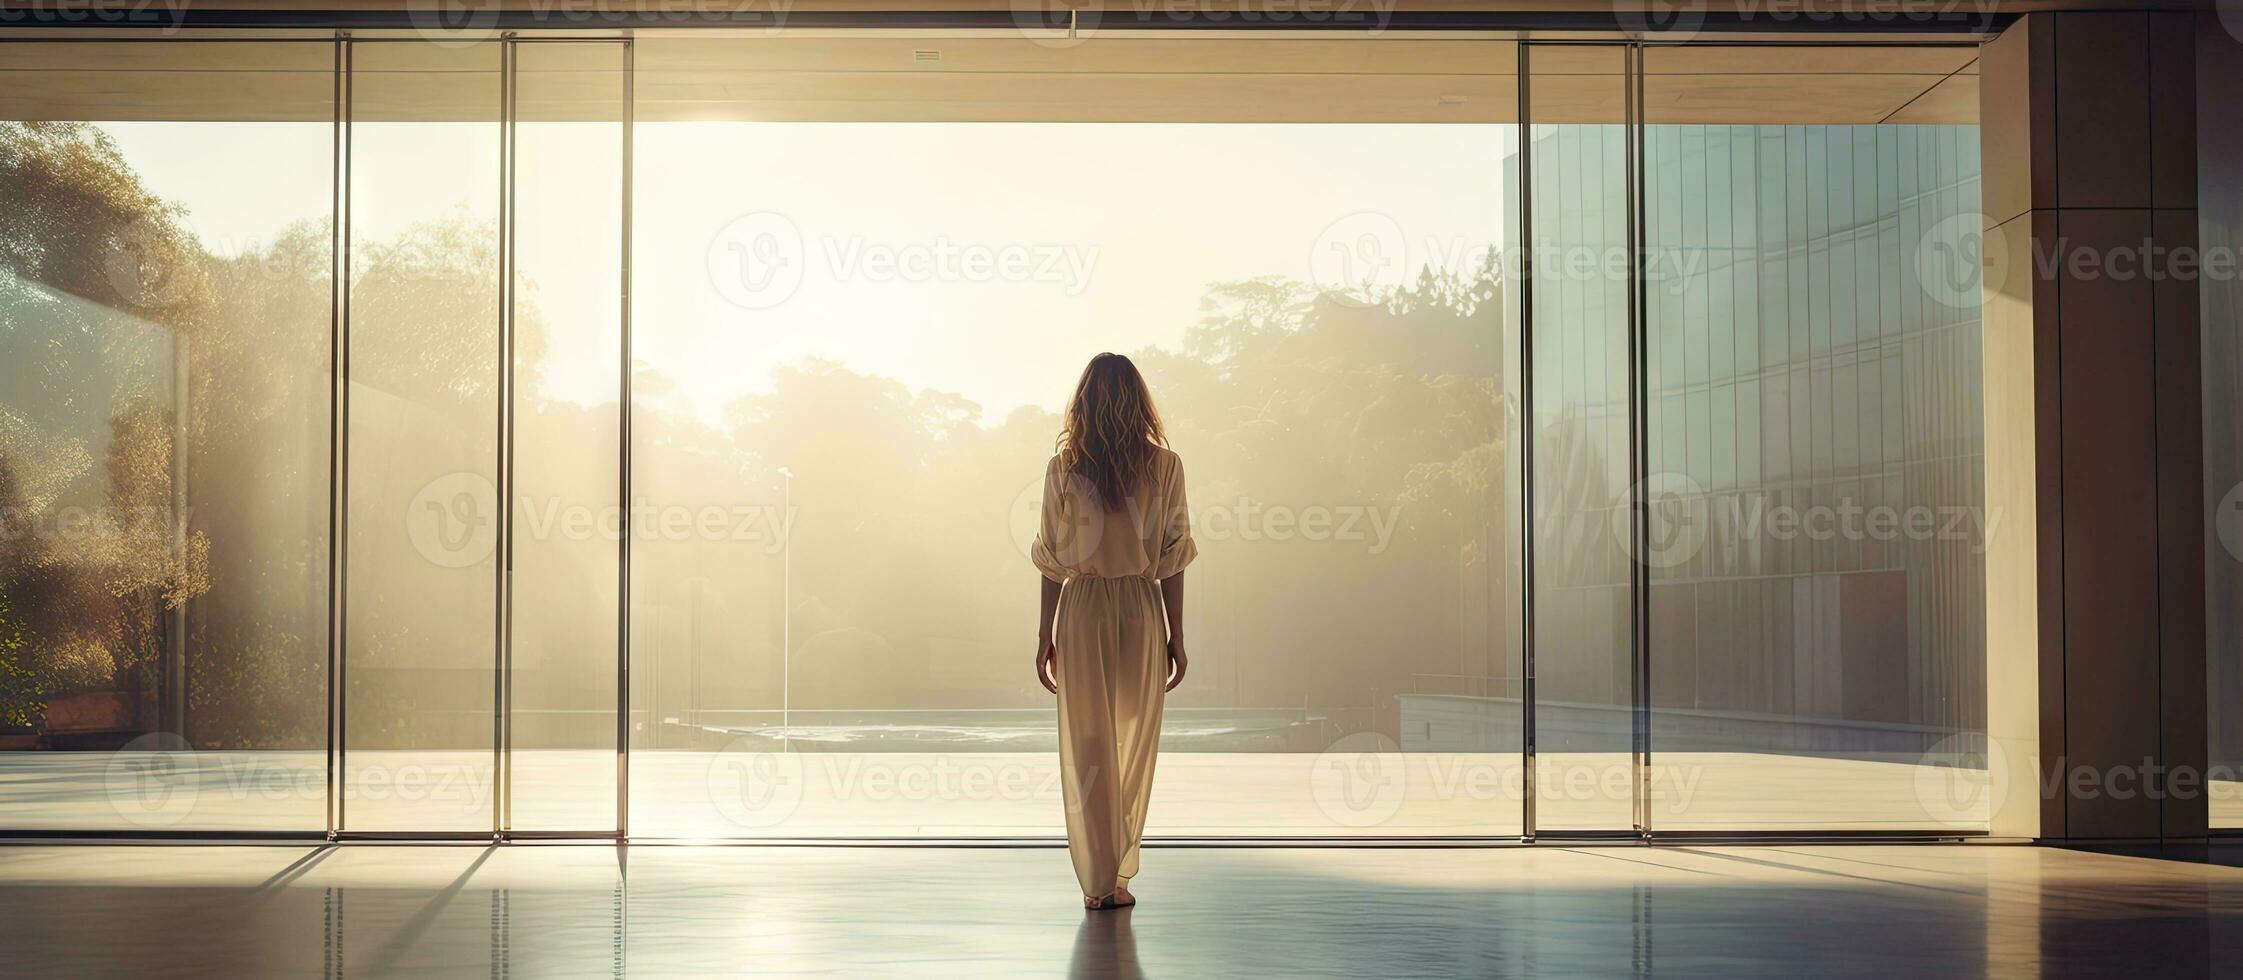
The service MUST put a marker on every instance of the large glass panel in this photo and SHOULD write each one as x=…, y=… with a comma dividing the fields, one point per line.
x=165, y=263
x=568, y=312
x=1817, y=629
x=851, y=353
x=2220, y=230
x=1583, y=590
x=421, y=576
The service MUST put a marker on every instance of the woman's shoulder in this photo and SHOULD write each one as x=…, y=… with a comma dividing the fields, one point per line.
x=1166, y=459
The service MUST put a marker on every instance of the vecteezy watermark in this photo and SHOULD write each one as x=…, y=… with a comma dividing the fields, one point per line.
x=1962, y=257
x=1240, y=518
x=1679, y=21
x=1359, y=780
x=759, y=260
x=753, y=786
x=1025, y=519
x=1675, y=520
x=1064, y=24
x=1360, y=256
x=1681, y=518
x=1959, y=259
x=461, y=23
x=1363, y=257
x=754, y=782
x=1660, y=21
x=2227, y=521
x=453, y=521
x=1960, y=781
x=168, y=15
x=1056, y=23
x=756, y=260
x=453, y=23
x=66, y=523
x=158, y=780
x=556, y=519
x=153, y=781
x=148, y=266
x=1365, y=780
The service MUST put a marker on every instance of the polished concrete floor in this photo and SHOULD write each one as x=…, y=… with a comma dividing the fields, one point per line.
x=577, y=910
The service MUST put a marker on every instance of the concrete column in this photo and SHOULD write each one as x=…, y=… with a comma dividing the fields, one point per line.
x=2095, y=591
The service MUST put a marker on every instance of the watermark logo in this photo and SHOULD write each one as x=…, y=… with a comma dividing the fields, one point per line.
x=453, y=23
x=1056, y=24
x=756, y=260
x=1359, y=780
x=1025, y=518
x=753, y=787
x=2227, y=521
x=453, y=520
x=1958, y=259
x=1075, y=532
x=144, y=269
x=1676, y=520
x=1084, y=522
x=1960, y=780
x=1660, y=21
x=761, y=259
x=169, y=15
x=1360, y=256
x=152, y=781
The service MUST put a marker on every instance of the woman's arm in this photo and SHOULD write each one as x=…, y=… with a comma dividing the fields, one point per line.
x=1046, y=654
x=1172, y=597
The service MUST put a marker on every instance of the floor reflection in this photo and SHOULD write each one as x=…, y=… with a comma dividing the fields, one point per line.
x=377, y=910
x=1105, y=948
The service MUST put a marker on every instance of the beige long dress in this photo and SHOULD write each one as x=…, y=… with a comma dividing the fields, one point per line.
x=1112, y=652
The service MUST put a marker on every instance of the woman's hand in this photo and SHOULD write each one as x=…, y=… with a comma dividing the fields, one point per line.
x=1047, y=664
x=1177, y=662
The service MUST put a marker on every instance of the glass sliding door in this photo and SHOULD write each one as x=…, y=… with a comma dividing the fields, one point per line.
x=2220, y=211
x=1584, y=712
x=1816, y=630
x=165, y=260
x=851, y=355
x=419, y=673
x=567, y=267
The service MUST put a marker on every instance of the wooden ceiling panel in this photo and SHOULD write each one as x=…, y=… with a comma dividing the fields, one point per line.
x=1792, y=99
x=1954, y=101
x=100, y=96
x=1010, y=97
x=1297, y=79
x=1289, y=54
x=1805, y=60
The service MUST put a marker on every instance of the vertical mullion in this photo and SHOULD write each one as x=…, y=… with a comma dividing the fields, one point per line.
x=338, y=420
x=623, y=452
x=1639, y=465
x=502, y=672
x=1526, y=444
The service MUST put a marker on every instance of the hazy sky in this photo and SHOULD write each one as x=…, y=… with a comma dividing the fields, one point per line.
x=898, y=235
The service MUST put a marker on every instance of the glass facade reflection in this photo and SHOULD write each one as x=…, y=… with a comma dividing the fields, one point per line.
x=164, y=414
x=1816, y=463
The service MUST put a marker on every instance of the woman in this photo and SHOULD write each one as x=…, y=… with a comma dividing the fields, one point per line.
x=1114, y=540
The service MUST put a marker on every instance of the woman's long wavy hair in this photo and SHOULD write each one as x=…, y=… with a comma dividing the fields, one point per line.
x=1112, y=429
